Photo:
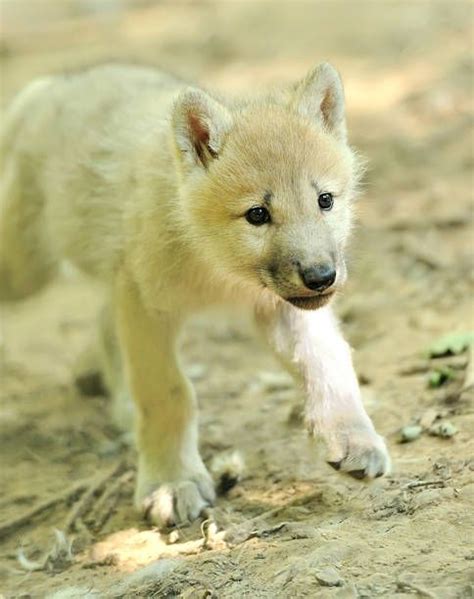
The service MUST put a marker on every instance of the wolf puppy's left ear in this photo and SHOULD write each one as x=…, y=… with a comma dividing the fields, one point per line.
x=320, y=97
x=199, y=124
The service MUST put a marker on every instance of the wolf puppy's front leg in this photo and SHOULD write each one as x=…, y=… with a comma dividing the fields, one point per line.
x=173, y=484
x=310, y=343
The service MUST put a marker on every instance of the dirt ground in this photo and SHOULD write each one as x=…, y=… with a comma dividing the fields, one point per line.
x=292, y=527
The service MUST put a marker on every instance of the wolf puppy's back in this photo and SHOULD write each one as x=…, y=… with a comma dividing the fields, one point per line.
x=70, y=145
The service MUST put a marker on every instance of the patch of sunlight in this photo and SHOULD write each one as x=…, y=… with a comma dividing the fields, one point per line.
x=132, y=548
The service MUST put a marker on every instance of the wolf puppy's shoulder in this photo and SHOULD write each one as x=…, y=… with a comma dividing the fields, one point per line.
x=177, y=199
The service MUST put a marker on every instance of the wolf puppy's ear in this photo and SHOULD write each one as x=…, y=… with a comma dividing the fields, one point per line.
x=320, y=97
x=200, y=124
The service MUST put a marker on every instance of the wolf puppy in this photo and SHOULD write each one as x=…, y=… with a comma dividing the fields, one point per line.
x=176, y=201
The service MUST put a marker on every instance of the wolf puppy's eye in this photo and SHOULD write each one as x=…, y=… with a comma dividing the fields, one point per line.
x=257, y=216
x=325, y=201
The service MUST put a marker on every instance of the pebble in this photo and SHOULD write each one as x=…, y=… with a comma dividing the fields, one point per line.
x=410, y=432
x=443, y=429
x=329, y=577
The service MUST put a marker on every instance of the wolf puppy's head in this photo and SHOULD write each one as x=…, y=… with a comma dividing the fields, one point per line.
x=268, y=186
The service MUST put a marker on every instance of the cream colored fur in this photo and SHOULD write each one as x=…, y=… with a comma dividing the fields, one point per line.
x=144, y=183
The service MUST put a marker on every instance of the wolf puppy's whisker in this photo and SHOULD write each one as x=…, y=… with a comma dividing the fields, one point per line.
x=177, y=200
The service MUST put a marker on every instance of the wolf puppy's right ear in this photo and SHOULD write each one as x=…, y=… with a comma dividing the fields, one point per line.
x=199, y=124
x=320, y=97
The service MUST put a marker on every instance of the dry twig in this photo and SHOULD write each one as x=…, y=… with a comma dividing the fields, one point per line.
x=414, y=484
x=106, y=503
x=10, y=526
x=81, y=508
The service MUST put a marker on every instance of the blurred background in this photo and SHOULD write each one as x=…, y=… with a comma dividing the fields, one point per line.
x=407, y=69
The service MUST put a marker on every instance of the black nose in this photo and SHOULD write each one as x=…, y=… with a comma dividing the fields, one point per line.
x=318, y=278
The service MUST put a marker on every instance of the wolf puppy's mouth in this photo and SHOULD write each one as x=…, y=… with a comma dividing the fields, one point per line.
x=312, y=302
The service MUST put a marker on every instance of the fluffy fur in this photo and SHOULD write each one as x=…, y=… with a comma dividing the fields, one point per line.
x=144, y=182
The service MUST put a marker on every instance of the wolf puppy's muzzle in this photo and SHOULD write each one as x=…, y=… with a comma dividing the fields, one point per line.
x=312, y=302
x=318, y=279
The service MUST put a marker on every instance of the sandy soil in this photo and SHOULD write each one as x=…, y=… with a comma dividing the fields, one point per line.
x=292, y=527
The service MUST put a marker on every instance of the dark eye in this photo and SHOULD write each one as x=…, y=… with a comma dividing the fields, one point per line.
x=257, y=216
x=325, y=201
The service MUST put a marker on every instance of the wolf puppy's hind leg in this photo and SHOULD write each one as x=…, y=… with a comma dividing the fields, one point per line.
x=173, y=484
x=26, y=263
x=99, y=369
x=112, y=369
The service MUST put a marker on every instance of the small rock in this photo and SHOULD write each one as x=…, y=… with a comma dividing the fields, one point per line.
x=329, y=577
x=410, y=432
x=443, y=429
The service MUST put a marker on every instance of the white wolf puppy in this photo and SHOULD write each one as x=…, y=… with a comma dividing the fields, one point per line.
x=178, y=200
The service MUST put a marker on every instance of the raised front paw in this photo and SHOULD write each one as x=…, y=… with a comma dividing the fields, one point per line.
x=359, y=453
x=177, y=502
